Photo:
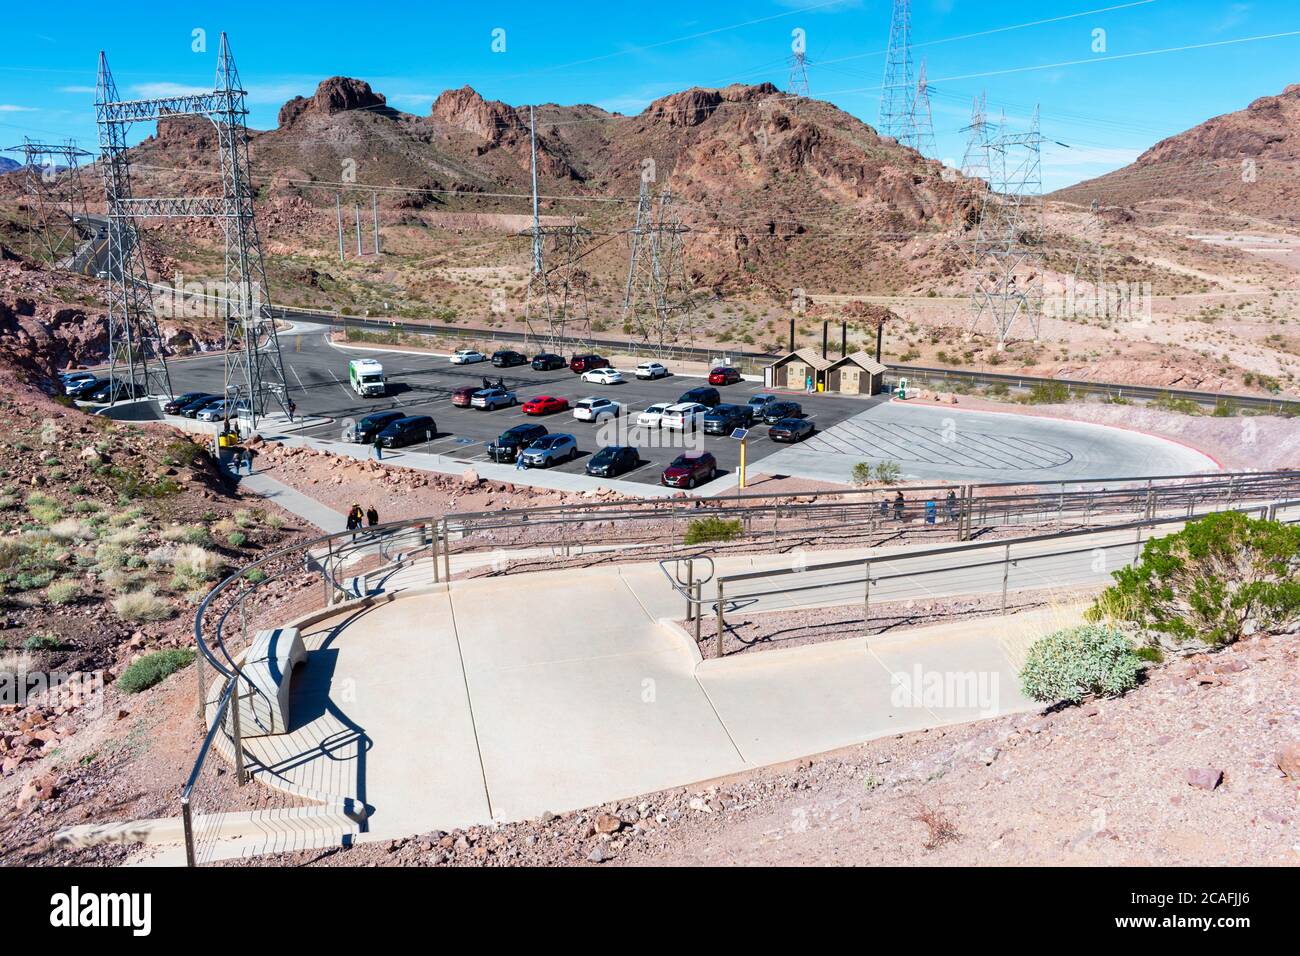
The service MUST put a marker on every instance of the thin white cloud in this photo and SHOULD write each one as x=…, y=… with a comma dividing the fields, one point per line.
x=11, y=108
x=151, y=91
x=76, y=89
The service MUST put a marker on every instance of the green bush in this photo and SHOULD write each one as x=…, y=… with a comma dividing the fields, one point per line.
x=862, y=473
x=63, y=592
x=1069, y=665
x=700, y=530
x=42, y=642
x=1217, y=580
x=152, y=668
x=888, y=472
x=1045, y=393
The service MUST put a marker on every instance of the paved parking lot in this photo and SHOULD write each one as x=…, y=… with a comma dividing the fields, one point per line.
x=422, y=385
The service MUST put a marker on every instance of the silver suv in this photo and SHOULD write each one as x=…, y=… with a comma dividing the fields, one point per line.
x=550, y=449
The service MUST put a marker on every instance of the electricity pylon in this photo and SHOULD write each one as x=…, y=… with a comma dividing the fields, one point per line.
x=659, y=302
x=898, y=92
x=1007, y=266
x=53, y=184
x=254, y=372
x=798, y=85
x=922, y=121
x=555, y=305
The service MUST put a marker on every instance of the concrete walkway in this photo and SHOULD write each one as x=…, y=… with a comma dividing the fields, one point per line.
x=497, y=700
x=294, y=501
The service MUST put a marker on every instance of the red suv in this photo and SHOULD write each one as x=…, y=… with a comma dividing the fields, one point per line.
x=690, y=469
x=461, y=397
x=724, y=375
x=585, y=363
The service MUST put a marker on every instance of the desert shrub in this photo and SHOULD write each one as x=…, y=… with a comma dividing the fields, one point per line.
x=183, y=451
x=237, y=539
x=275, y=522
x=124, y=537
x=71, y=529
x=142, y=605
x=86, y=507
x=1045, y=393
x=255, y=575
x=245, y=519
x=1217, y=580
x=1184, y=406
x=63, y=592
x=187, y=534
x=1071, y=664
x=42, y=642
x=700, y=530
x=861, y=473
x=195, y=563
x=43, y=509
x=153, y=668
x=126, y=516
x=888, y=472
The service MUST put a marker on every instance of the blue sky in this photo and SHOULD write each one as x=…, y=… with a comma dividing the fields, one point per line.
x=1099, y=108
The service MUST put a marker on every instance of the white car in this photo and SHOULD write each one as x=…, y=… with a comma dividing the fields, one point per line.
x=683, y=417
x=467, y=357
x=651, y=370
x=650, y=418
x=604, y=376
x=594, y=409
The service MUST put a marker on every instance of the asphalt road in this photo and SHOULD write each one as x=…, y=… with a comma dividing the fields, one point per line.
x=422, y=385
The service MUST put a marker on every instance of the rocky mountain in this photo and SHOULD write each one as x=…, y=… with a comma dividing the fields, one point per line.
x=1246, y=161
x=8, y=165
x=749, y=170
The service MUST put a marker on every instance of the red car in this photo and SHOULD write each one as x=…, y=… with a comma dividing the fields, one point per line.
x=585, y=363
x=690, y=469
x=724, y=375
x=461, y=397
x=545, y=405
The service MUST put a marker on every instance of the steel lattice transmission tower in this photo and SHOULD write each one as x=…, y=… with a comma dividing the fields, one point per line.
x=922, y=120
x=556, y=303
x=1007, y=262
x=255, y=371
x=798, y=85
x=975, y=163
x=898, y=92
x=659, y=302
x=53, y=184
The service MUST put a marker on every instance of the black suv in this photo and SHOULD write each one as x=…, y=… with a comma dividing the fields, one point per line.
x=506, y=358
x=704, y=395
x=725, y=419
x=407, y=431
x=613, y=461
x=549, y=362
x=775, y=411
x=511, y=441
x=180, y=401
x=365, y=430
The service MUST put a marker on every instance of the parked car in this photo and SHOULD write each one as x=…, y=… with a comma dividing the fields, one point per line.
x=651, y=370
x=548, y=362
x=83, y=388
x=791, y=430
x=367, y=428
x=613, y=461
x=585, y=363
x=725, y=419
x=758, y=403
x=212, y=412
x=690, y=469
x=174, y=406
x=545, y=405
x=603, y=376
x=408, y=431
x=505, y=358
x=514, y=440
x=549, y=450
x=684, y=416
x=74, y=380
x=652, y=417
x=775, y=411
x=493, y=398
x=705, y=395
x=725, y=375
x=467, y=357
x=116, y=391
x=594, y=409
x=193, y=408
x=462, y=396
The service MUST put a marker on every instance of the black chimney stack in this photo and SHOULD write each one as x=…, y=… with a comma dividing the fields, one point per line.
x=844, y=339
x=826, y=325
x=880, y=335
x=792, y=335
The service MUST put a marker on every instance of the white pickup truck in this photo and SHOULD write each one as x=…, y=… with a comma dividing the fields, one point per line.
x=367, y=378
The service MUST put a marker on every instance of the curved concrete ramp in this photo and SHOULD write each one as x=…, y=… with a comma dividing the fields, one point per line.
x=554, y=691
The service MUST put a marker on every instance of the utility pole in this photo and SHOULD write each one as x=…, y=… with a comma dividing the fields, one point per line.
x=374, y=206
x=338, y=209
x=356, y=207
x=537, y=220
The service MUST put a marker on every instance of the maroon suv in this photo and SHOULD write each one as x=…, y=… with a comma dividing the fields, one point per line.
x=585, y=363
x=462, y=396
x=690, y=469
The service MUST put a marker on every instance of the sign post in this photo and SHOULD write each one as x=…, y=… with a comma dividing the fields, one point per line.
x=740, y=434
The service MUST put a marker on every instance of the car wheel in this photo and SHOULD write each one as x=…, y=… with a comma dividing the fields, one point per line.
x=690, y=482
x=573, y=454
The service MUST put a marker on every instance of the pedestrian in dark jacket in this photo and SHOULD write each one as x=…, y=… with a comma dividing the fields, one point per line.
x=355, y=517
x=372, y=516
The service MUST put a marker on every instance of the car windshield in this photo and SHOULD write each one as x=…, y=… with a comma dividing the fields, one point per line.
x=683, y=461
x=605, y=455
x=657, y=409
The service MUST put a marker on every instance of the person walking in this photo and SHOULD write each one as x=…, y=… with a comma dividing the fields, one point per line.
x=379, y=448
x=291, y=407
x=884, y=507
x=520, y=464
x=248, y=459
x=355, y=519
x=931, y=511
x=237, y=460
x=900, y=505
x=952, y=505
x=372, y=517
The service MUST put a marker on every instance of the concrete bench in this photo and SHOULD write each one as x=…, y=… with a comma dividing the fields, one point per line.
x=268, y=671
